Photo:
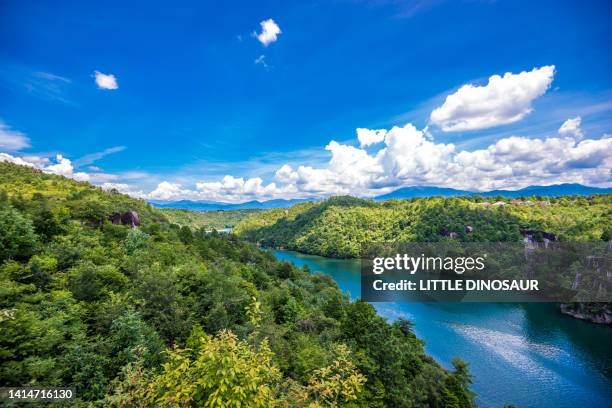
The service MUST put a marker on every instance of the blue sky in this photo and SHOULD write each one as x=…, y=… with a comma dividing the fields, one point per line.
x=200, y=97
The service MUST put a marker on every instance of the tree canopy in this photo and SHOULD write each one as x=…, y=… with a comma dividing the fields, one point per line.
x=171, y=316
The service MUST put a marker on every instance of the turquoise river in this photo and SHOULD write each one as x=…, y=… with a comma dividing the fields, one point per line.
x=526, y=354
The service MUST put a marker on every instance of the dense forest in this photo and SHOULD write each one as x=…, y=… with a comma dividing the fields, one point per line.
x=209, y=220
x=162, y=315
x=341, y=226
x=348, y=227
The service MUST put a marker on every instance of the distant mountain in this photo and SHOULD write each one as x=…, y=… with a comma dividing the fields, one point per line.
x=216, y=206
x=423, y=191
x=550, y=191
x=404, y=192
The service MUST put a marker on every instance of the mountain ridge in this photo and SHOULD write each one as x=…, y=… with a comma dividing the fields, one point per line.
x=554, y=190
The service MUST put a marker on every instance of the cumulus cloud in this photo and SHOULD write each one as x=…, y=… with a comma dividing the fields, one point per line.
x=502, y=101
x=12, y=140
x=125, y=189
x=233, y=189
x=168, y=191
x=63, y=167
x=269, y=32
x=60, y=165
x=106, y=81
x=386, y=159
x=571, y=127
x=407, y=156
x=369, y=137
x=5, y=157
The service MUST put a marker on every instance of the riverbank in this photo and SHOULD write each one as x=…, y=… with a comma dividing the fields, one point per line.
x=600, y=313
x=529, y=355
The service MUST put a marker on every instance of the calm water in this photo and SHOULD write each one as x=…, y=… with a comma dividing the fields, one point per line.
x=526, y=354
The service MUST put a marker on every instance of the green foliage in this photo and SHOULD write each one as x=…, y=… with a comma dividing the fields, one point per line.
x=135, y=239
x=222, y=371
x=130, y=339
x=93, y=304
x=207, y=220
x=17, y=239
x=338, y=382
x=185, y=235
x=89, y=282
x=343, y=227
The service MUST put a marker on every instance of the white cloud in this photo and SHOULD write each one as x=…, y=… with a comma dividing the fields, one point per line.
x=235, y=189
x=116, y=186
x=106, y=81
x=12, y=140
x=168, y=191
x=503, y=100
x=37, y=161
x=571, y=127
x=386, y=159
x=124, y=188
x=409, y=157
x=269, y=32
x=102, y=177
x=5, y=157
x=406, y=157
x=369, y=137
x=286, y=174
x=62, y=167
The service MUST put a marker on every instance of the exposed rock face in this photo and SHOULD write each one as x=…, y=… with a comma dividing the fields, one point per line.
x=115, y=218
x=130, y=218
x=600, y=313
x=534, y=239
x=127, y=218
x=447, y=233
x=306, y=325
x=534, y=233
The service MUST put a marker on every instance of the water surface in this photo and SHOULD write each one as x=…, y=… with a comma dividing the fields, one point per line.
x=527, y=354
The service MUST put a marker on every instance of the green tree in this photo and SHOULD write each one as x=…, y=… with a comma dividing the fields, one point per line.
x=222, y=371
x=185, y=235
x=337, y=383
x=90, y=282
x=17, y=238
x=46, y=223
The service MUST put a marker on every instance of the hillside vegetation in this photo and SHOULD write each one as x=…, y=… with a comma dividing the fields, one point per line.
x=164, y=316
x=209, y=220
x=342, y=226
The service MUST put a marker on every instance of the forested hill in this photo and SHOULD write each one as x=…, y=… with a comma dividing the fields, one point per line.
x=341, y=226
x=160, y=315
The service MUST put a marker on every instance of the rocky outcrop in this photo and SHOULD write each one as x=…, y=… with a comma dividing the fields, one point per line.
x=446, y=233
x=115, y=218
x=600, y=313
x=127, y=218
x=534, y=239
x=306, y=325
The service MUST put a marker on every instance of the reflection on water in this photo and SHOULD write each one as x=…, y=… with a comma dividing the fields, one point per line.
x=526, y=354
